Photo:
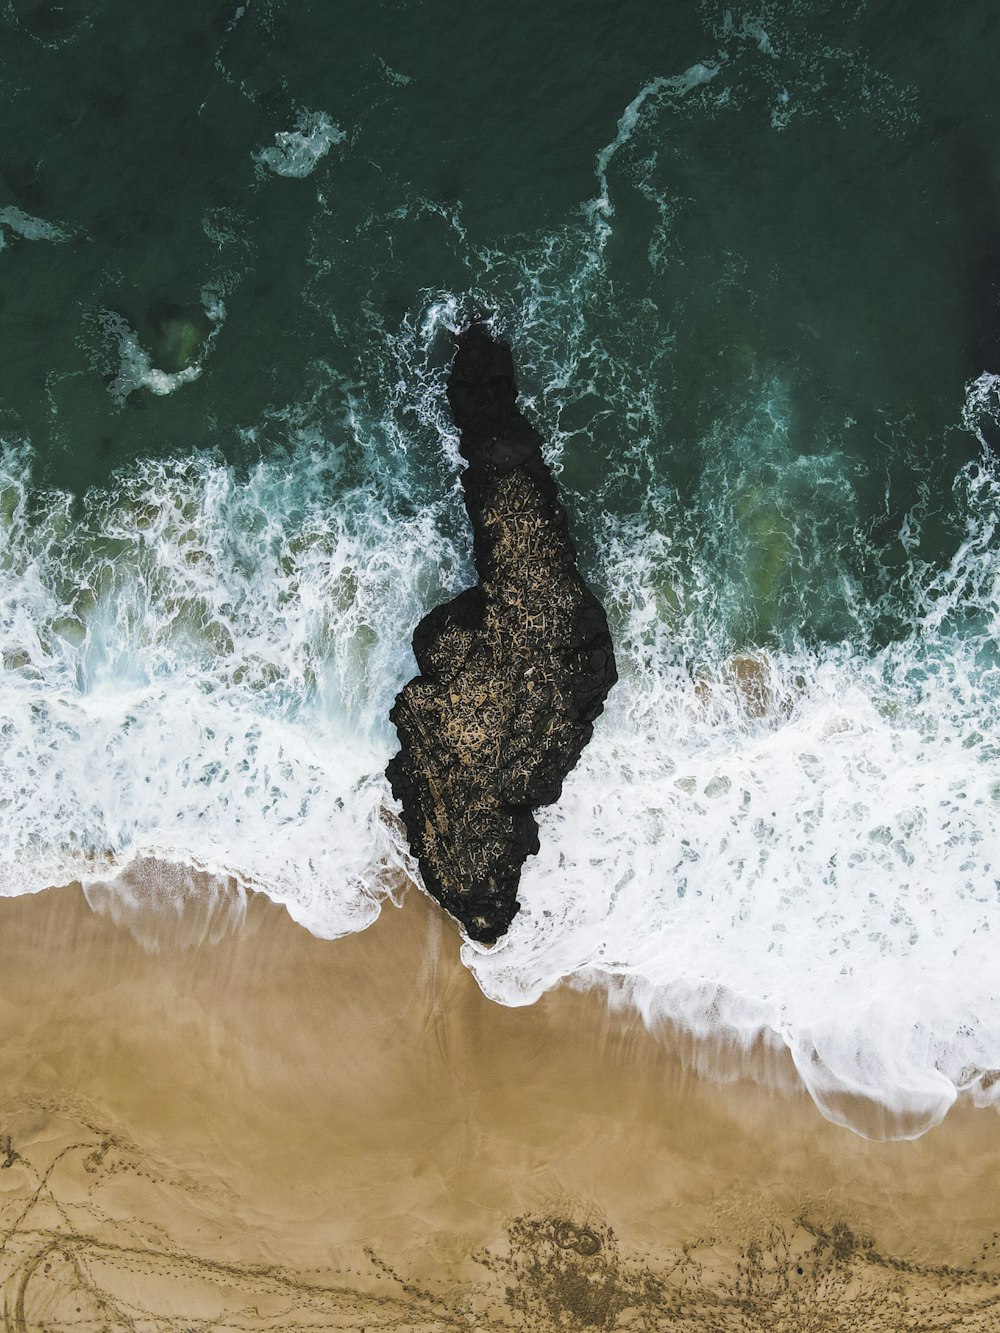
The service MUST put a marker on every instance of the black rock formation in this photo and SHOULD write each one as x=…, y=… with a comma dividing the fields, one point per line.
x=512, y=672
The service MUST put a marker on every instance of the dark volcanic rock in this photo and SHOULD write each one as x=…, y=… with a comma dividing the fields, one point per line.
x=512, y=672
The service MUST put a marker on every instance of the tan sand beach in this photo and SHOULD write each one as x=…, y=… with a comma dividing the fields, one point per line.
x=275, y=1131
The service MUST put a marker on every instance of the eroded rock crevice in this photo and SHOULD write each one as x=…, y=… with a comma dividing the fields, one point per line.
x=513, y=671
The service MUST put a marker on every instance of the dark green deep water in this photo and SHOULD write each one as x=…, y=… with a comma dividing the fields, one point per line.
x=826, y=211
x=748, y=256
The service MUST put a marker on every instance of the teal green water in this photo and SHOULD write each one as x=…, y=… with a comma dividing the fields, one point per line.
x=748, y=257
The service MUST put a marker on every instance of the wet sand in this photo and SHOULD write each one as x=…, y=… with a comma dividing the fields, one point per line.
x=266, y=1130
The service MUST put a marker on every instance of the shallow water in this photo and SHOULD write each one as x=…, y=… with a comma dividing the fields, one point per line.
x=747, y=258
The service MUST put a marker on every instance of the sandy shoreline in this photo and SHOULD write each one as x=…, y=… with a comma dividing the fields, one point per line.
x=275, y=1131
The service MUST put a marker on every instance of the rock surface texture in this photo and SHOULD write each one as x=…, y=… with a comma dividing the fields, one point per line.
x=513, y=672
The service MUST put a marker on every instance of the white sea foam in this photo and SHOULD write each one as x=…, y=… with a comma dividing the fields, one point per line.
x=669, y=88
x=135, y=363
x=199, y=669
x=22, y=224
x=296, y=152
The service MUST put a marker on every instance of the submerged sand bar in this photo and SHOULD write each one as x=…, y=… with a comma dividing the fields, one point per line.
x=275, y=1131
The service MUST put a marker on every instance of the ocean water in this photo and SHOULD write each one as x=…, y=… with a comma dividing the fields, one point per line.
x=748, y=258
